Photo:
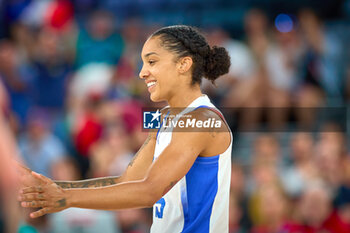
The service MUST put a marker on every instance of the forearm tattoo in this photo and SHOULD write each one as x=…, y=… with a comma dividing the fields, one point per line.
x=91, y=183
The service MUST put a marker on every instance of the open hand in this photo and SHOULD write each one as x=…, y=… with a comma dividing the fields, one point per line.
x=47, y=195
x=26, y=178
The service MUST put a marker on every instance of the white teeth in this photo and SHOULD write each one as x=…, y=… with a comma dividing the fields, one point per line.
x=151, y=84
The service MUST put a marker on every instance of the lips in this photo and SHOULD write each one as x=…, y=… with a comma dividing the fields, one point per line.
x=150, y=85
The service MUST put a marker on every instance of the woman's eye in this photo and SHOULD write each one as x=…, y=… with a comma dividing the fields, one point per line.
x=151, y=62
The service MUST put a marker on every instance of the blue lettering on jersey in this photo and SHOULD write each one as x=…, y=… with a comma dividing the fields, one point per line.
x=159, y=208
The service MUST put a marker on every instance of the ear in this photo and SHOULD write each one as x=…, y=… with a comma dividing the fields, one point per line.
x=184, y=64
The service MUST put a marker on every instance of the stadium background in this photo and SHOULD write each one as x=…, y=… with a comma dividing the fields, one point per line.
x=69, y=87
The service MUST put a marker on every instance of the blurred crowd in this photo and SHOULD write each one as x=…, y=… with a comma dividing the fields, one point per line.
x=70, y=91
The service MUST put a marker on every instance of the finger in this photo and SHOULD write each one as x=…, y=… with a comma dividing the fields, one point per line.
x=31, y=197
x=33, y=189
x=40, y=212
x=34, y=204
x=42, y=178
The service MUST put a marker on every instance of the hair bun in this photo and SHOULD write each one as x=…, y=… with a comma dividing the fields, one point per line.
x=217, y=63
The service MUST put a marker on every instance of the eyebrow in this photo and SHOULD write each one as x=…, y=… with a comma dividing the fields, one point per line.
x=149, y=54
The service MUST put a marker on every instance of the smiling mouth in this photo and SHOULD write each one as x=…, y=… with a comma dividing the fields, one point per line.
x=150, y=84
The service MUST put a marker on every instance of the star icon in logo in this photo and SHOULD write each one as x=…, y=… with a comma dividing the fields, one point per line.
x=155, y=115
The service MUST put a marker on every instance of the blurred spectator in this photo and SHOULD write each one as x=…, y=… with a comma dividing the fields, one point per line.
x=51, y=70
x=320, y=68
x=18, y=80
x=40, y=149
x=83, y=220
x=303, y=171
x=132, y=118
x=111, y=154
x=240, y=74
x=134, y=221
x=239, y=217
x=267, y=151
x=86, y=130
x=342, y=204
x=125, y=82
x=99, y=43
x=24, y=39
x=89, y=125
x=270, y=78
x=284, y=58
x=266, y=164
x=91, y=80
x=237, y=180
x=132, y=32
x=263, y=175
x=329, y=159
x=315, y=214
x=235, y=216
x=271, y=208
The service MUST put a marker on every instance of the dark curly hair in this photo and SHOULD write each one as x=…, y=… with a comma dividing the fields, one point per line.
x=188, y=41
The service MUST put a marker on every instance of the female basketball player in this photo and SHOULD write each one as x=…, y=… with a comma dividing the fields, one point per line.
x=184, y=175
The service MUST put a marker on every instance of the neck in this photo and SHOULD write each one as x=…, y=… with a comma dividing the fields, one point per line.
x=185, y=97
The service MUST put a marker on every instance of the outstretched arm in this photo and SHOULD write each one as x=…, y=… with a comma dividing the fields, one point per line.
x=142, y=191
x=136, y=169
x=170, y=167
x=28, y=179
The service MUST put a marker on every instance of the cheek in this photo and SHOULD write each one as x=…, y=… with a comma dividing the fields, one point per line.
x=165, y=73
x=164, y=79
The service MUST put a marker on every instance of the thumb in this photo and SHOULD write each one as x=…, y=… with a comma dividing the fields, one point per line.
x=42, y=178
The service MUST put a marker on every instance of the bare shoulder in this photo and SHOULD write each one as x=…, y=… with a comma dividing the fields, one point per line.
x=208, y=129
x=211, y=115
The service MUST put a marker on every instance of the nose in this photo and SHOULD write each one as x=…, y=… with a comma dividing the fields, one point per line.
x=144, y=73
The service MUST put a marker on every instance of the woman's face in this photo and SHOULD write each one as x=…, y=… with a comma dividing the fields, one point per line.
x=159, y=70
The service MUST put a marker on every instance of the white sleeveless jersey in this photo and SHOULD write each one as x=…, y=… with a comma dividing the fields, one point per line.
x=199, y=202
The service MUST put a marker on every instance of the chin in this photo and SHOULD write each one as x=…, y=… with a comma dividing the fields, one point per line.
x=156, y=98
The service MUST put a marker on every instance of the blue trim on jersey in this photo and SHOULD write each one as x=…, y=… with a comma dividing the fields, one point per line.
x=214, y=110
x=184, y=201
x=202, y=106
x=206, y=160
x=201, y=189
